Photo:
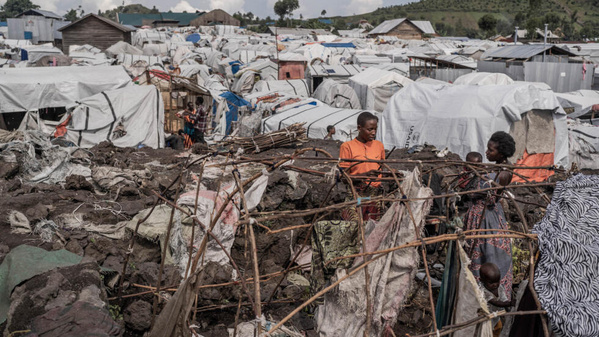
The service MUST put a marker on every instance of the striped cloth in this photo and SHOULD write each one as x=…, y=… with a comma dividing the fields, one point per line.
x=567, y=273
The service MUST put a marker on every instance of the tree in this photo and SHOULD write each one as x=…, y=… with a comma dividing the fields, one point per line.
x=71, y=15
x=285, y=8
x=323, y=13
x=301, y=17
x=488, y=23
x=13, y=8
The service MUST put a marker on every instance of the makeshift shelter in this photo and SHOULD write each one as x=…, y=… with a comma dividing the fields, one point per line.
x=316, y=74
x=584, y=144
x=293, y=87
x=375, y=87
x=24, y=89
x=317, y=118
x=337, y=95
x=131, y=116
x=580, y=103
x=234, y=103
x=484, y=79
x=463, y=118
x=292, y=66
x=122, y=47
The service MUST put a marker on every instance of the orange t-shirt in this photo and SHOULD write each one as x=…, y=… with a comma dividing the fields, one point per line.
x=355, y=149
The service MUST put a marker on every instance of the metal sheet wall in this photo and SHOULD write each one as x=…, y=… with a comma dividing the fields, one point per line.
x=561, y=77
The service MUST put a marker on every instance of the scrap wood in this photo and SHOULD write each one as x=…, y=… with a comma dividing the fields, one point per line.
x=294, y=134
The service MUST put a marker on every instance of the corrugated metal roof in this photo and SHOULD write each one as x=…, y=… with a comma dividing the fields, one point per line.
x=136, y=19
x=103, y=19
x=43, y=13
x=386, y=26
x=297, y=31
x=523, y=51
x=425, y=26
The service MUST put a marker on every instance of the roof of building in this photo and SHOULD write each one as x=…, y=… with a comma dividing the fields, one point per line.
x=136, y=19
x=297, y=31
x=43, y=13
x=105, y=20
x=386, y=26
x=524, y=51
x=449, y=61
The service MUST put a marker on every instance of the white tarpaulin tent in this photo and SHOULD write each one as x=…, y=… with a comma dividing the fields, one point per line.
x=317, y=118
x=580, y=101
x=292, y=87
x=484, y=79
x=23, y=89
x=463, y=117
x=337, y=95
x=129, y=116
x=375, y=87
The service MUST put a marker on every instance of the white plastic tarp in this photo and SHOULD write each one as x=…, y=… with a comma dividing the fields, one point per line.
x=129, y=116
x=292, y=87
x=337, y=95
x=375, y=87
x=484, y=79
x=317, y=118
x=463, y=117
x=23, y=89
x=123, y=47
x=581, y=100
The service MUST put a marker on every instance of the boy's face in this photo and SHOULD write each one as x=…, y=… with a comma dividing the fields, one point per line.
x=490, y=285
x=368, y=131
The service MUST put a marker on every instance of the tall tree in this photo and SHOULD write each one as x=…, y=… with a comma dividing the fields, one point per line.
x=488, y=23
x=323, y=13
x=13, y=8
x=285, y=8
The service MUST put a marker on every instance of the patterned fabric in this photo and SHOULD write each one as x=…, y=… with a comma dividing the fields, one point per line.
x=486, y=212
x=332, y=239
x=201, y=120
x=566, y=274
x=370, y=210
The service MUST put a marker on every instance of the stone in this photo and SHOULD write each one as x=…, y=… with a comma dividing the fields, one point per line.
x=138, y=315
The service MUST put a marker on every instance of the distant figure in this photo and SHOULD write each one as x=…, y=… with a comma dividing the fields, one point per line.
x=201, y=121
x=486, y=213
x=330, y=132
x=189, y=116
x=364, y=147
x=494, y=294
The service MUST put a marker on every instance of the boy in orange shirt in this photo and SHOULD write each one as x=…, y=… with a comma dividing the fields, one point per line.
x=364, y=147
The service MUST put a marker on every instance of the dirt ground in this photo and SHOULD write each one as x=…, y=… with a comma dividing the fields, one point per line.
x=217, y=307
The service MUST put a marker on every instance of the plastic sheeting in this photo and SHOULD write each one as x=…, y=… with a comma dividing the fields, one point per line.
x=581, y=102
x=23, y=89
x=130, y=116
x=292, y=87
x=337, y=95
x=317, y=118
x=24, y=262
x=375, y=87
x=463, y=118
x=584, y=145
x=484, y=79
x=344, y=310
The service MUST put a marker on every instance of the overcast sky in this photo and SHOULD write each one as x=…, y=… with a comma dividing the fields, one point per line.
x=261, y=8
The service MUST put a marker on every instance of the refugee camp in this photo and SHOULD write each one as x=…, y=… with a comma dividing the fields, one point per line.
x=294, y=168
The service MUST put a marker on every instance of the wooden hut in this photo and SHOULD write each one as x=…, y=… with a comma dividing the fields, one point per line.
x=96, y=31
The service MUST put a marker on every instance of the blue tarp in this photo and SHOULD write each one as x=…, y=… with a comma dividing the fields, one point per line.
x=339, y=45
x=193, y=38
x=233, y=102
x=326, y=21
x=235, y=65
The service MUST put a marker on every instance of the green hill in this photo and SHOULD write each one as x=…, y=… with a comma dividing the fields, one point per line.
x=572, y=18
